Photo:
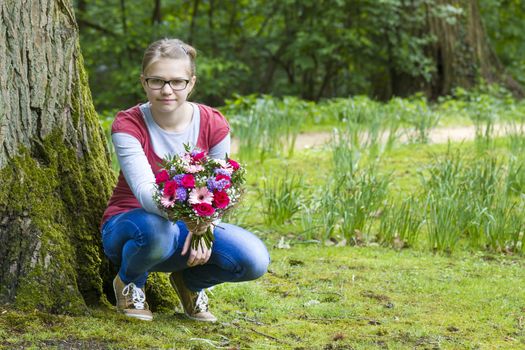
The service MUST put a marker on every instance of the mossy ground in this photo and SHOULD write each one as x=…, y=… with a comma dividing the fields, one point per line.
x=318, y=297
x=321, y=298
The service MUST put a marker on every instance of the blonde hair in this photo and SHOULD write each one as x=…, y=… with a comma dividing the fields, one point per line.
x=169, y=48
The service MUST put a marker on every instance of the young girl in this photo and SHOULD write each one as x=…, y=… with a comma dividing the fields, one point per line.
x=136, y=236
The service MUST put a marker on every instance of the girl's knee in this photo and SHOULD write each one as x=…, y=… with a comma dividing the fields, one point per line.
x=256, y=263
x=157, y=237
x=246, y=249
x=256, y=267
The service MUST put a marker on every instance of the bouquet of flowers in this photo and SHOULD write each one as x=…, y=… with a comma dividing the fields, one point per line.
x=198, y=190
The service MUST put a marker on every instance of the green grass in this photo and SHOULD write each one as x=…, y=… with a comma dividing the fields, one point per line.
x=318, y=297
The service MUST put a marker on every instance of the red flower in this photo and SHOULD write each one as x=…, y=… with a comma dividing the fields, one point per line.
x=188, y=181
x=220, y=199
x=169, y=188
x=199, y=156
x=234, y=164
x=162, y=176
x=203, y=209
x=221, y=176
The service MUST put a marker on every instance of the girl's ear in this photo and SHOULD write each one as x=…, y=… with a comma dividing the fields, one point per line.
x=143, y=81
x=193, y=80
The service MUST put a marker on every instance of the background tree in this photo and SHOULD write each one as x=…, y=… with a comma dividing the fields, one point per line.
x=505, y=25
x=461, y=53
x=311, y=49
x=54, y=168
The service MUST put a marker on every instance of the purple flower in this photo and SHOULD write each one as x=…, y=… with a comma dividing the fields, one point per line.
x=180, y=194
x=222, y=172
x=178, y=178
x=217, y=185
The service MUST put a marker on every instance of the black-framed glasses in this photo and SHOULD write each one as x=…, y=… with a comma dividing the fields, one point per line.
x=175, y=84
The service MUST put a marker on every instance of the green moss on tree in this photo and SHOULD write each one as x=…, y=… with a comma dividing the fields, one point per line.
x=52, y=197
x=57, y=200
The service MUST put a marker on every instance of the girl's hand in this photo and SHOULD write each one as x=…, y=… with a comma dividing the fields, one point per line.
x=198, y=256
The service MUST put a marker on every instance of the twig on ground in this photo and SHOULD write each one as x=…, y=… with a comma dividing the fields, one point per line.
x=269, y=336
x=207, y=341
x=330, y=292
x=246, y=318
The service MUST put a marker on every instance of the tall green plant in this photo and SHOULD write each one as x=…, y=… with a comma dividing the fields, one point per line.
x=400, y=223
x=281, y=197
x=266, y=126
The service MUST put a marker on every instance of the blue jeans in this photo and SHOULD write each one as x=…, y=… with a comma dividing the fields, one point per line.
x=140, y=242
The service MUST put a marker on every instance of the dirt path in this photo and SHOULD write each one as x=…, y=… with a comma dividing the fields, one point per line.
x=437, y=135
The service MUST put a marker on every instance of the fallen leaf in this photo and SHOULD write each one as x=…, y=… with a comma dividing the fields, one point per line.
x=312, y=302
x=283, y=244
x=294, y=262
x=338, y=336
x=341, y=243
x=389, y=305
x=452, y=329
x=329, y=243
x=398, y=243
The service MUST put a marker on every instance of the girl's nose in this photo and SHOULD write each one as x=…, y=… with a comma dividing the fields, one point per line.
x=166, y=89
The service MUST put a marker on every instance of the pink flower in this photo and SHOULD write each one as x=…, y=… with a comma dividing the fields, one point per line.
x=224, y=165
x=167, y=201
x=193, y=168
x=169, y=188
x=221, y=199
x=234, y=164
x=203, y=209
x=199, y=156
x=188, y=181
x=200, y=195
x=162, y=176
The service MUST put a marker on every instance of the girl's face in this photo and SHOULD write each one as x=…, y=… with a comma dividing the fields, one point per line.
x=168, y=98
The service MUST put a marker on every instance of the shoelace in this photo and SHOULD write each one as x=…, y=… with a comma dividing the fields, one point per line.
x=201, y=304
x=137, y=295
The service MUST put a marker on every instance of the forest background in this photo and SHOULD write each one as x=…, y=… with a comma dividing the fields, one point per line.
x=309, y=49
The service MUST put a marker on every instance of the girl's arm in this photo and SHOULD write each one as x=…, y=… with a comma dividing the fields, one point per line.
x=136, y=170
x=220, y=150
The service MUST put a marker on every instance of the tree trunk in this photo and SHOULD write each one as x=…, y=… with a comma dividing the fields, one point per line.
x=55, y=177
x=157, y=13
x=193, y=21
x=462, y=52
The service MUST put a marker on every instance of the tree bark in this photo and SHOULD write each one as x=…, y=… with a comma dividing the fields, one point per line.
x=157, y=13
x=193, y=21
x=462, y=52
x=55, y=176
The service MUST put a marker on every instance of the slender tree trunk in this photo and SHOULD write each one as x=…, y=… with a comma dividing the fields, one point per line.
x=157, y=13
x=211, y=27
x=123, y=19
x=81, y=9
x=232, y=21
x=55, y=177
x=193, y=21
x=275, y=60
